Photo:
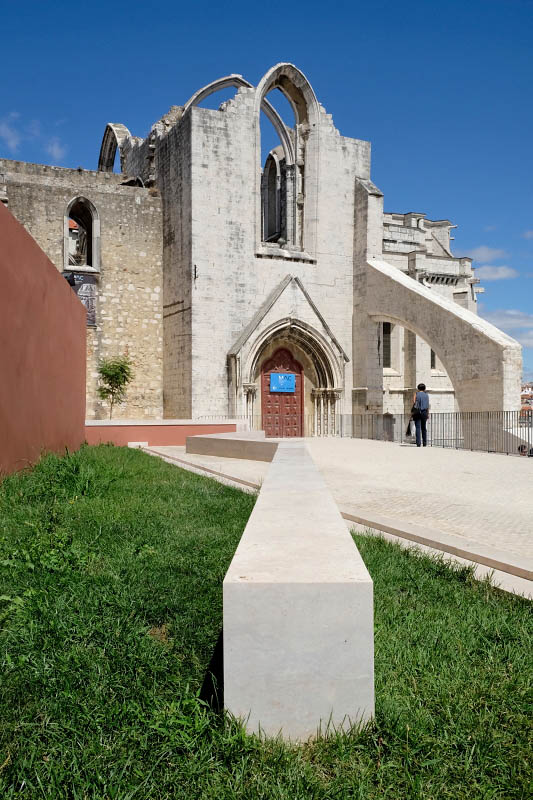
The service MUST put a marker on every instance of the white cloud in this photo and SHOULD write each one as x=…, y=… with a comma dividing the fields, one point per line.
x=518, y=324
x=496, y=273
x=14, y=130
x=34, y=129
x=55, y=149
x=528, y=234
x=508, y=319
x=525, y=338
x=8, y=132
x=484, y=253
x=490, y=228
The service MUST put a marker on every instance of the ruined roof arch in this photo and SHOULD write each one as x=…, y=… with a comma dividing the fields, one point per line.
x=296, y=88
x=238, y=81
x=115, y=135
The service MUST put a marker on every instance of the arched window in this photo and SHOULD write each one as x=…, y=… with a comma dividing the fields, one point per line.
x=81, y=252
x=297, y=154
x=274, y=222
x=81, y=236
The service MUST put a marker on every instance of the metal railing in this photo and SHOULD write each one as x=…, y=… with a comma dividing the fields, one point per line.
x=508, y=432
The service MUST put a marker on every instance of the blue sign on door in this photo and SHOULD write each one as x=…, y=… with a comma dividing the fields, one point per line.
x=282, y=382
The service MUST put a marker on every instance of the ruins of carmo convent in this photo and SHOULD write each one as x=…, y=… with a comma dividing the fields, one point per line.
x=227, y=276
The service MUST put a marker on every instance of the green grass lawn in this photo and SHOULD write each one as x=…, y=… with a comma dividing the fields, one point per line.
x=111, y=568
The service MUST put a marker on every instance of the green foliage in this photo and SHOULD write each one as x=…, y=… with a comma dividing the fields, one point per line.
x=111, y=568
x=114, y=375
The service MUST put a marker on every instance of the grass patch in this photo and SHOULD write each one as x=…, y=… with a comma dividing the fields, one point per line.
x=111, y=568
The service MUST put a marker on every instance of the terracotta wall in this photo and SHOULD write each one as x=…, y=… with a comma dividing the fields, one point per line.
x=154, y=435
x=42, y=353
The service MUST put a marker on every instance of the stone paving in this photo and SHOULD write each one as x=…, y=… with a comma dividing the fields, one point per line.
x=482, y=496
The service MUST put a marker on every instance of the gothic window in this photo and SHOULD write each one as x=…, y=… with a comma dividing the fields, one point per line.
x=81, y=236
x=387, y=331
x=81, y=256
x=288, y=208
x=277, y=193
x=273, y=194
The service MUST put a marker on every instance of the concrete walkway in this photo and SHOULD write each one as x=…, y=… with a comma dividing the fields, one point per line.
x=470, y=497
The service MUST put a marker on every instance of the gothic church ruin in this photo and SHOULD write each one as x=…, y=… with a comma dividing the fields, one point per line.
x=218, y=271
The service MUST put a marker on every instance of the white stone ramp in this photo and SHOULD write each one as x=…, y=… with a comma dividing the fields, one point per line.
x=298, y=610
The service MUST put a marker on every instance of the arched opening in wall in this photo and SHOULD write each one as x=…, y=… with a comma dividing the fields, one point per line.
x=276, y=199
x=298, y=129
x=282, y=395
x=81, y=252
x=407, y=359
x=293, y=383
x=81, y=234
x=216, y=99
x=116, y=163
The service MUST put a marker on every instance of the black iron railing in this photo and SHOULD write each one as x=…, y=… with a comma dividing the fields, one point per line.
x=509, y=432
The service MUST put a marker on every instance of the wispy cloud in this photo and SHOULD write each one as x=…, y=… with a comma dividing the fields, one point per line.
x=502, y=273
x=14, y=130
x=484, y=253
x=509, y=319
x=490, y=228
x=9, y=132
x=528, y=234
x=55, y=148
x=518, y=324
x=34, y=129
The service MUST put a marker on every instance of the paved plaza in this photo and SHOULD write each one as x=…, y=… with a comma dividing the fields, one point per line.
x=483, y=497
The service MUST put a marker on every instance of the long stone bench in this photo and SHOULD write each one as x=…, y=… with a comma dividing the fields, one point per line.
x=298, y=610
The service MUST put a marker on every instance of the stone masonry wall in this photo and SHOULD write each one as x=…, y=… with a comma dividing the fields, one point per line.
x=232, y=278
x=174, y=182
x=129, y=296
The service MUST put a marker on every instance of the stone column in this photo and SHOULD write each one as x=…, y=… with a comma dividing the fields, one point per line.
x=314, y=397
x=334, y=397
x=250, y=391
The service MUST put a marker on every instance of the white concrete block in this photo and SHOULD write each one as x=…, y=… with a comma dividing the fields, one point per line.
x=298, y=610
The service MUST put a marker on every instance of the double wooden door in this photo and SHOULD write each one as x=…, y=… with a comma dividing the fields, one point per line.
x=282, y=412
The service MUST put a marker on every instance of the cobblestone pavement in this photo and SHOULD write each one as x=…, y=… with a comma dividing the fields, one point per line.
x=483, y=496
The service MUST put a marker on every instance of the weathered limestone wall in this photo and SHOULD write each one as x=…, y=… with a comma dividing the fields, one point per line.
x=175, y=184
x=129, y=296
x=233, y=273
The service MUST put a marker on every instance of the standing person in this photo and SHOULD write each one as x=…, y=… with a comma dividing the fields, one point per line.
x=420, y=413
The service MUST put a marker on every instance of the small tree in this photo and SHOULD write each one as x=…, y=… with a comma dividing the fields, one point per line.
x=114, y=375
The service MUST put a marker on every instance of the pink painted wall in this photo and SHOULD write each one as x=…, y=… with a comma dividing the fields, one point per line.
x=42, y=353
x=153, y=434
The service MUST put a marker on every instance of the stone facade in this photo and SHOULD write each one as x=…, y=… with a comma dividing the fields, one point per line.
x=209, y=261
x=128, y=275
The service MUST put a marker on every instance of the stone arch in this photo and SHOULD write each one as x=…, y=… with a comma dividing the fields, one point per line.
x=302, y=171
x=84, y=212
x=323, y=377
x=296, y=88
x=115, y=135
x=311, y=342
x=238, y=81
x=482, y=362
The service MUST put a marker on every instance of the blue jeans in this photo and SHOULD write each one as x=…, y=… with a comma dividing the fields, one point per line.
x=420, y=425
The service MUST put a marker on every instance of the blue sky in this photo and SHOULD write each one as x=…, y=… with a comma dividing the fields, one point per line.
x=444, y=91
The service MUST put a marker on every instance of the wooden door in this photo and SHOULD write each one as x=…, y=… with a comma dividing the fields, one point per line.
x=282, y=412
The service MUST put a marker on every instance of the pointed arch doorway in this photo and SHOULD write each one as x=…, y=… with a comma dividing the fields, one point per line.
x=281, y=411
